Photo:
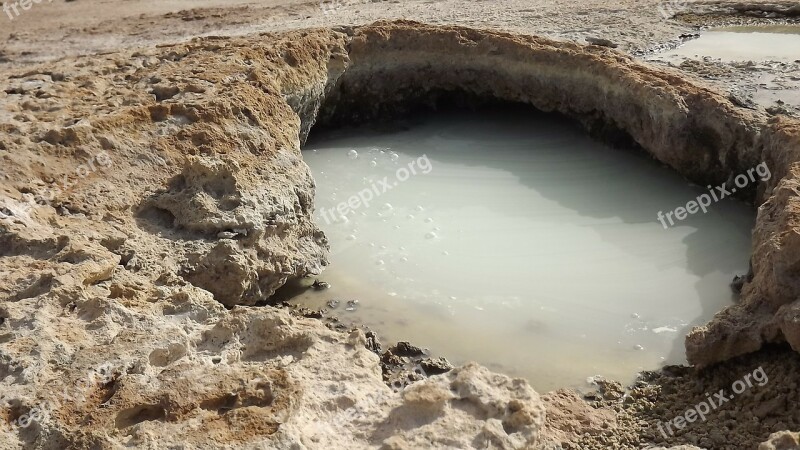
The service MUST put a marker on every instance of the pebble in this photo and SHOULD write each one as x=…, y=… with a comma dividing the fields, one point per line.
x=351, y=305
x=320, y=285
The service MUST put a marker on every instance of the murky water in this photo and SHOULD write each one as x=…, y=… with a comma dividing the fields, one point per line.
x=753, y=43
x=520, y=243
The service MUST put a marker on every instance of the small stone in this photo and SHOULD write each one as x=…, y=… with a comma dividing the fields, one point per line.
x=435, y=366
x=603, y=42
x=320, y=285
x=405, y=349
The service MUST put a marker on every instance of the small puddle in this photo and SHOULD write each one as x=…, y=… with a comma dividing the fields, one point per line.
x=743, y=43
x=521, y=244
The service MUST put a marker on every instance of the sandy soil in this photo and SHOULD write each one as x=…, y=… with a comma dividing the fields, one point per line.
x=59, y=28
x=55, y=30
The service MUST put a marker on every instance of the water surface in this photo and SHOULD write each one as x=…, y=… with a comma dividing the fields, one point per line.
x=526, y=246
x=745, y=43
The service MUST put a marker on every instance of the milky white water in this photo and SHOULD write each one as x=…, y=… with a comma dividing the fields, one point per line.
x=745, y=43
x=527, y=246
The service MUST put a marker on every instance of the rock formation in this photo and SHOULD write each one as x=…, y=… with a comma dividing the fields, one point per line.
x=150, y=199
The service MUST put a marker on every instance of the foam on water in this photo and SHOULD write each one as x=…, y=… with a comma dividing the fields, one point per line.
x=526, y=246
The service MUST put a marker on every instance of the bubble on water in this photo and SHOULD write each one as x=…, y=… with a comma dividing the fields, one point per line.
x=453, y=297
x=437, y=229
x=352, y=237
x=404, y=259
x=380, y=262
x=419, y=208
x=397, y=227
x=634, y=316
x=387, y=206
x=445, y=253
x=394, y=156
x=372, y=244
x=430, y=235
x=410, y=217
x=392, y=294
x=373, y=164
x=383, y=247
x=352, y=154
x=402, y=249
x=638, y=347
x=429, y=220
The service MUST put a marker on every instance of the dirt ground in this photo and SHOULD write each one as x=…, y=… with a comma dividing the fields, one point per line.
x=52, y=30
